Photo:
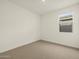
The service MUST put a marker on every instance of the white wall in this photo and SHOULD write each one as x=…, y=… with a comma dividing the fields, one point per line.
x=18, y=26
x=50, y=27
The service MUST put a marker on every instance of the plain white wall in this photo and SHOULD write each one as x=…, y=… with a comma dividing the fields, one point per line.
x=50, y=27
x=18, y=26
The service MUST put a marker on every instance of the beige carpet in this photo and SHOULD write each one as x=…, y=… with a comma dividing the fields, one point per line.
x=42, y=50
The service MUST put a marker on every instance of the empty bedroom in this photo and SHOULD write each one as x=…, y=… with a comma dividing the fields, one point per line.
x=39, y=29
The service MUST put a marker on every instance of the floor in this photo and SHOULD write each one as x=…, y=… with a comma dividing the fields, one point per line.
x=42, y=50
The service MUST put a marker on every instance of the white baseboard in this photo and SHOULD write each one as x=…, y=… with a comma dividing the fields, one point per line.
x=36, y=41
x=60, y=44
x=3, y=51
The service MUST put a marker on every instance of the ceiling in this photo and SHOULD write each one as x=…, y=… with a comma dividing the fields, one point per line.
x=40, y=7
